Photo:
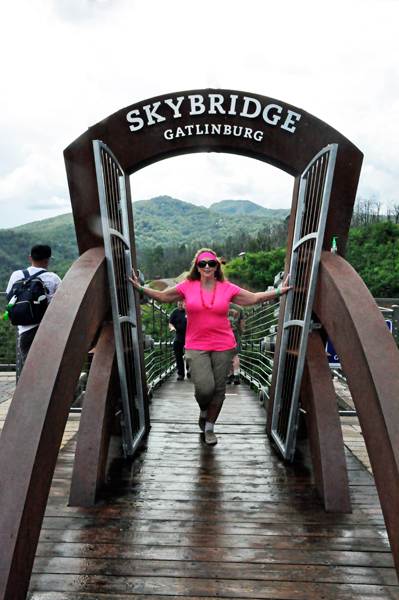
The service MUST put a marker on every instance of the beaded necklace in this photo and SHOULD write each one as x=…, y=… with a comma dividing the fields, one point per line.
x=213, y=296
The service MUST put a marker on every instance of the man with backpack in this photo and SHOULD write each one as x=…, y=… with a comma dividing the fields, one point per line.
x=25, y=295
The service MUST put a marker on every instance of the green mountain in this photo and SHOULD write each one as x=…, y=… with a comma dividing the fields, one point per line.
x=161, y=221
x=241, y=208
x=15, y=245
x=167, y=221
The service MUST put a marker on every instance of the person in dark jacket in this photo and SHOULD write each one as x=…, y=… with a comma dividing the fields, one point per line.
x=178, y=324
x=237, y=322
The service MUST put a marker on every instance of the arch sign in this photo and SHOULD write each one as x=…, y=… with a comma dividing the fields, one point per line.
x=210, y=120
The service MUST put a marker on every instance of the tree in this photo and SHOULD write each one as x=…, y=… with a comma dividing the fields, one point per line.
x=257, y=271
x=373, y=251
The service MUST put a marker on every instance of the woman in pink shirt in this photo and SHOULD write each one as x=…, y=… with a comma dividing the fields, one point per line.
x=210, y=340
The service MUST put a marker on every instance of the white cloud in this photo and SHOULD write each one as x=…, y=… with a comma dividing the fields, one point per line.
x=70, y=63
x=209, y=178
x=40, y=171
x=381, y=184
x=53, y=203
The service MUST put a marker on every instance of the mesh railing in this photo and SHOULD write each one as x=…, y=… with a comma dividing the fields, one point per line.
x=158, y=345
x=8, y=339
x=258, y=347
x=259, y=341
x=256, y=357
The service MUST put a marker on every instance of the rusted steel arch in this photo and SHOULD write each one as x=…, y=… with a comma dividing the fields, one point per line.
x=36, y=420
x=209, y=121
x=212, y=120
x=96, y=422
x=370, y=359
x=324, y=429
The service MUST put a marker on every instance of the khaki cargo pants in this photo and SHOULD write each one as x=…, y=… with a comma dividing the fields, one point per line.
x=209, y=371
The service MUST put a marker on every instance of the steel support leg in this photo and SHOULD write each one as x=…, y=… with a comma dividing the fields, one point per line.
x=96, y=422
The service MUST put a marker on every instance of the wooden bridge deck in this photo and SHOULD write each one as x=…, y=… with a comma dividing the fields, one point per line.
x=230, y=521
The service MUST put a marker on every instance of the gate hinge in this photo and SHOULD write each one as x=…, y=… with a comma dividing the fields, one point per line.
x=314, y=325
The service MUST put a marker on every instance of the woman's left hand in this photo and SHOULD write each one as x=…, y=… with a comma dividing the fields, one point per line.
x=285, y=288
x=134, y=281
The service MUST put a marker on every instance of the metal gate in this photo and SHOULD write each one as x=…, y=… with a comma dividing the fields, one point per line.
x=313, y=201
x=112, y=193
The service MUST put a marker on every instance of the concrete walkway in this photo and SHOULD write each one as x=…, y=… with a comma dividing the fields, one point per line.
x=7, y=387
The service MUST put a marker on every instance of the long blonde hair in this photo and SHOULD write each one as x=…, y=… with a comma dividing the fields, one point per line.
x=194, y=274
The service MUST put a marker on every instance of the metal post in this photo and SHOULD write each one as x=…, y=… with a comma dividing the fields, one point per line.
x=18, y=358
x=160, y=341
x=395, y=317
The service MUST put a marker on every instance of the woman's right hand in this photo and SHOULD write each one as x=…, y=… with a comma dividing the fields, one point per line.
x=134, y=281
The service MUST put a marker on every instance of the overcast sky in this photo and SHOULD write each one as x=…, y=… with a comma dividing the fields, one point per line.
x=67, y=64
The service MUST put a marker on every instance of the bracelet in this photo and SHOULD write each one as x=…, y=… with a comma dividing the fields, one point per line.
x=141, y=289
x=278, y=292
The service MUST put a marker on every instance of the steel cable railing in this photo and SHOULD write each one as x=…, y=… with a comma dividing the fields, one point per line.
x=256, y=357
x=259, y=342
x=258, y=347
x=159, y=355
x=158, y=344
x=8, y=340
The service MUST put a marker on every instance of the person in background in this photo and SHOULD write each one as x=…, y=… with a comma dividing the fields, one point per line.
x=39, y=257
x=178, y=324
x=237, y=322
x=210, y=342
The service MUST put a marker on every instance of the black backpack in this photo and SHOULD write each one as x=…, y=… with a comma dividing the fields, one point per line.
x=27, y=300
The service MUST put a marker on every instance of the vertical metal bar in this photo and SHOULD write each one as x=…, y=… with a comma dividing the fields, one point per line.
x=395, y=317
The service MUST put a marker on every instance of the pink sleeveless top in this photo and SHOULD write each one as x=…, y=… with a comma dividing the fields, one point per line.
x=208, y=329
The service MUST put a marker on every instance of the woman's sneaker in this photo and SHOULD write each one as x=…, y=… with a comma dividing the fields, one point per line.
x=210, y=437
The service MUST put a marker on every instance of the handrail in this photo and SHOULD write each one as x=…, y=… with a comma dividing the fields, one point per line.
x=256, y=357
x=8, y=339
x=258, y=345
x=158, y=344
x=391, y=314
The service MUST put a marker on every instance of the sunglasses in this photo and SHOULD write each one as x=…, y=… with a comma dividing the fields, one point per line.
x=202, y=263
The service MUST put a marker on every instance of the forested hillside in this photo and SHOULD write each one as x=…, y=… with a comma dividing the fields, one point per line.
x=168, y=231
x=372, y=250
x=246, y=207
x=15, y=245
x=166, y=221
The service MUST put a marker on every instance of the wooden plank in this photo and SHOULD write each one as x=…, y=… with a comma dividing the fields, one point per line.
x=154, y=586
x=240, y=555
x=166, y=524
x=299, y=542
x=184, y=513
x=225, y=570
